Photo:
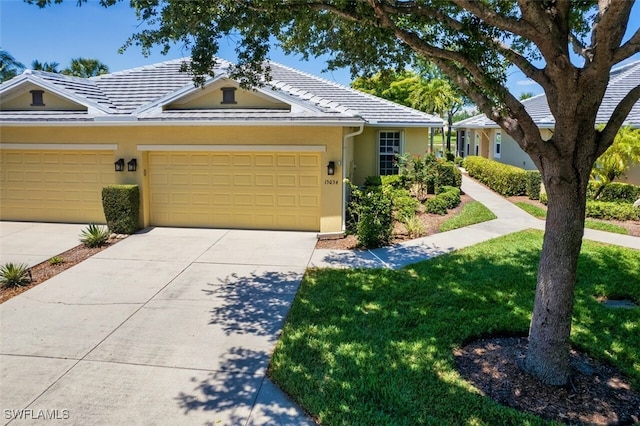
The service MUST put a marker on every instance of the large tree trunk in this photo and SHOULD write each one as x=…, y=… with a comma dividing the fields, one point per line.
x=549, y=334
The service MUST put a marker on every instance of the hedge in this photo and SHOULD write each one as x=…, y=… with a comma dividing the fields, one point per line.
x=612, y=210
x=502, y=178
x=447, y=198
x=615, y=191
x=534, y=180
x=121, y=205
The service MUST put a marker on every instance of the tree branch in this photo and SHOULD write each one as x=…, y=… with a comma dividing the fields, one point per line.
x=630, y=48
x=617, y=119
x=609, y=29
x=491, y=17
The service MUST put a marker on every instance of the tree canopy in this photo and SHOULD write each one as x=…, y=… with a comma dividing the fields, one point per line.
x=9, y=66
x=567, y=47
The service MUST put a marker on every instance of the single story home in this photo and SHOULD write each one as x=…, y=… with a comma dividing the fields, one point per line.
x=215, y=156
x=479, y=135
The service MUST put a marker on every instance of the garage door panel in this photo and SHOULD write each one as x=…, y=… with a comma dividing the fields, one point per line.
x=54, y=185
x=239, y=190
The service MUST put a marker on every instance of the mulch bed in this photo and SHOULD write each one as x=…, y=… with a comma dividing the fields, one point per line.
x=45, y=270
x=430, y=222
x=597, y=394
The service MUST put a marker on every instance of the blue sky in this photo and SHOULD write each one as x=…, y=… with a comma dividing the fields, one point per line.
x=62, y=32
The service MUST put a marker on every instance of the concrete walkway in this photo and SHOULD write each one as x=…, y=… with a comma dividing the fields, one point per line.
x=510, y=218
x=169, y=326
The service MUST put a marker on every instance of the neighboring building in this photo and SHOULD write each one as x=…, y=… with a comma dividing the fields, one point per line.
x=480, y=136
x=219, y=156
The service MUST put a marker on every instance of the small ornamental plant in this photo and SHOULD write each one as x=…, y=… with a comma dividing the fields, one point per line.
x=14, y=275
x=95, y=235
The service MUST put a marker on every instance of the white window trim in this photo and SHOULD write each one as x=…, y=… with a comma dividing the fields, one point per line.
x=497, y=142
x=477, y=144
x=401, y=148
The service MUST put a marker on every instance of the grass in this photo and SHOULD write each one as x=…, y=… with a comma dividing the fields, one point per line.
x=541, y=213
x=473, y=212
x=376, y=346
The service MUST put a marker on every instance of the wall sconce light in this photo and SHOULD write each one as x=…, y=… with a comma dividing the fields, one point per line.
x=331, y=168
x=119, y=165
x=132, y=165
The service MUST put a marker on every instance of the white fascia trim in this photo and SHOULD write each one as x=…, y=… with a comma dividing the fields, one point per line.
x=60, y=146
x=387, y=124
x=237, y=148
x=190, y=123
x=91, y=106
x=171, y=97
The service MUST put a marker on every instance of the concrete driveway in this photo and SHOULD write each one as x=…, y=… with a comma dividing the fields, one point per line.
x=169, y=326
x=33, y=243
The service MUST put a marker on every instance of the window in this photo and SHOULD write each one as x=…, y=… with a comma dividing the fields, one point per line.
x=497, y=146
x=37, y=98
x=389, y=145
x=228, y=95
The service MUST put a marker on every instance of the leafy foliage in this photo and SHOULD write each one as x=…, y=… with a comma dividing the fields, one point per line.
x=534, y=180
x=85, y=67
x=448, y=197
x=616, y=160
x=121, y=205
x=375, y=217
x=502, y=178
x=14, y=274
x=9, y=66
x=612, y=211
x=615, y=191
x=56, y=260
x=95, y=235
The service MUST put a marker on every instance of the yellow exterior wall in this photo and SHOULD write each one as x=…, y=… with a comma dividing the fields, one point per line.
x=52, y=102
x=129, y=137
x=415, y=141
x=211, y=97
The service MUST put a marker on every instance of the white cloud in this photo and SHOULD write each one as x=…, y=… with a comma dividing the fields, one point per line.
x=527, y=82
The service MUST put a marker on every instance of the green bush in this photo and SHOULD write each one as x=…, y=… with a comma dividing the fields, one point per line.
x=502, y=178
x=544, y=199
x=370, y=214
x=615, y=191
x=450, y=156
x=94, y=235
x=404, y=204
x=448, y=175
x=458, y=161
x=447, y=198
x=534, y=181
x=373, y=181
x=14, y=274
x=375, y=221
x=612, y=210
x=121, y=204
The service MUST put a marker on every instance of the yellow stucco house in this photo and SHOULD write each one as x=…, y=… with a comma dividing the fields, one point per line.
x=479, y=135
x=219, y=156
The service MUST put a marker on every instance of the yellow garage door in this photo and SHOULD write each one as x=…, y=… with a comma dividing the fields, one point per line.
x=54, y=186
x=252, y=190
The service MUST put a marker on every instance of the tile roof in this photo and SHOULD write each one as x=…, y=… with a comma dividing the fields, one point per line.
x=137, y=95
x=621, y=81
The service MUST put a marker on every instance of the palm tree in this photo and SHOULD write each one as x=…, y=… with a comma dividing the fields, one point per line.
x=9, y=66
x=85, y=67
x=45, y=66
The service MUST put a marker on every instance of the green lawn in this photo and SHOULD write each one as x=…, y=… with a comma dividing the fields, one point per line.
x=473, y=212
x=541, y=213
x=376, y=346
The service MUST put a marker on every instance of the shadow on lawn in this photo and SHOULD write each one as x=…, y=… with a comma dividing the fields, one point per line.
x=375, y=346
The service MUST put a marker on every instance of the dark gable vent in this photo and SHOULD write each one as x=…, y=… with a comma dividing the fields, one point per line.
x=37, y=98
x=228, y=95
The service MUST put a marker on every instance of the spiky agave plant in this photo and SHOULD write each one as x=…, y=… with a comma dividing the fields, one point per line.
x=14, y=274
x=95, y=235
